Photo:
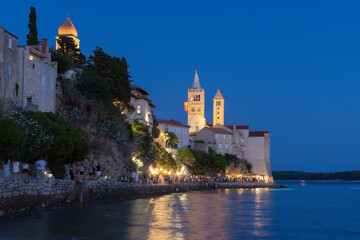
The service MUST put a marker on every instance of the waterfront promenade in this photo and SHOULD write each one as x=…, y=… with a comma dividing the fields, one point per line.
x=18, y=195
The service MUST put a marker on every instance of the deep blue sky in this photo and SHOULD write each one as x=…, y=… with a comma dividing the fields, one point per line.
x=291, y=67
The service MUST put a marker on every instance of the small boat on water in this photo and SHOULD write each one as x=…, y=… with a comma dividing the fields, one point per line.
x=302, y=182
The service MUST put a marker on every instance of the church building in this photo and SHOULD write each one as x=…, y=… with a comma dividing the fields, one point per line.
x=253, y=146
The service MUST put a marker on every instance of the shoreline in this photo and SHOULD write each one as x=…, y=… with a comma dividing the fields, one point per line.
x=22, y=196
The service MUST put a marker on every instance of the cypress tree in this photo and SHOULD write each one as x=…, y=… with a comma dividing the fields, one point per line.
x=32, y=37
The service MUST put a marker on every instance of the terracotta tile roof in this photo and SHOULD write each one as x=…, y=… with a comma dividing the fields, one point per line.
x=218, y=130
x=142, y=91
x=237, y=126
x=257, y=133
x=172, y=122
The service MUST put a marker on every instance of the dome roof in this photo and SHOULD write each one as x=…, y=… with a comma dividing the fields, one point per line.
x=67, y=28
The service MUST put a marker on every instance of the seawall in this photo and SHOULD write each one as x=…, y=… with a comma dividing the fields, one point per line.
x=18, y=195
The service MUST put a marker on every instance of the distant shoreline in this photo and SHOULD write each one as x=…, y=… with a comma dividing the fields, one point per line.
x=320, y=176
x=339, y=180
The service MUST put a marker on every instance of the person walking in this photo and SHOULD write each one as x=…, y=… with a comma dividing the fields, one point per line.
x=16, y=168
x=7, y=173
x=40, y=166
x=25, y=170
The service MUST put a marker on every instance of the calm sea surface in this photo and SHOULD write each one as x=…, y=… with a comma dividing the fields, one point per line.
x=313, y=211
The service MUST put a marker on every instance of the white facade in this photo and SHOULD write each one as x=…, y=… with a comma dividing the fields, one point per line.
x=179, y=129
x=142, y=106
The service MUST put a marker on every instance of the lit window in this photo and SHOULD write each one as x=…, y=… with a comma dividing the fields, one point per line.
x=138, y=110
x=31, y=57
x=10, y=43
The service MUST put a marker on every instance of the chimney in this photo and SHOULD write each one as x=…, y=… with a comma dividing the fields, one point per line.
x=43, y=45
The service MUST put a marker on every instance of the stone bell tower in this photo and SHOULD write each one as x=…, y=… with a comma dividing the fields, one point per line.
x=195, y=106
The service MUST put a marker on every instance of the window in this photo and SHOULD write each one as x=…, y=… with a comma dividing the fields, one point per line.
x=224, y=136
x=218, y=103
x=227, y=146
x=199, y=110
x=138, y=110
x=28, y=100
x=218, y=108
x=197, y=128
x=218, y=113
x=10, y=43
x=193, y=109
x=216, y=136
x=220, y=145
x=31, y=57
x=218, y=117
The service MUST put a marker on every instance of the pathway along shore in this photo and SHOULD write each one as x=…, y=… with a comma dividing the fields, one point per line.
x=22, y=195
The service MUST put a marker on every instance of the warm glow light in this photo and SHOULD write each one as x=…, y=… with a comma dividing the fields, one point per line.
x=178, y=173
x=169, y=172
x=165, y=172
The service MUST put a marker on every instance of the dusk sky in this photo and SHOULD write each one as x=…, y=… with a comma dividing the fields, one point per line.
x=291, y=67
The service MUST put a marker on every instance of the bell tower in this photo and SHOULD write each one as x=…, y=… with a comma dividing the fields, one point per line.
x=218, y=108
x=195, y=106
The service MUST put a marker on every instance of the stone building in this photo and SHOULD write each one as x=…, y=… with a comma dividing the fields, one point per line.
x=179, y=129
x=142, y=105
x=28, y=77
x=68, y=29
x=38, y=76
x=9, y=82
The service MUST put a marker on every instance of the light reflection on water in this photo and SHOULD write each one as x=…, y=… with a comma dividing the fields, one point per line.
x=218, y=214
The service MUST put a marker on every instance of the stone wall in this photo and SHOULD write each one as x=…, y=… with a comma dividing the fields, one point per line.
x=22, y=194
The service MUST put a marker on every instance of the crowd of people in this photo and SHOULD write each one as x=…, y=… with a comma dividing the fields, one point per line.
x=16, y=169
x=78, y=172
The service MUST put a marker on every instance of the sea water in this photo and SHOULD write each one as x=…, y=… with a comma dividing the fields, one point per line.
x=316, y=210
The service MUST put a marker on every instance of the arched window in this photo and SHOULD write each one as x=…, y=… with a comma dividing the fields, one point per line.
x=138, y=110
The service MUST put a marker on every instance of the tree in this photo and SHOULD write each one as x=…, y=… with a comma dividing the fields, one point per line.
x=67, y=46
x=48, y=136
x=64, y=61
x=186, y=157
x=32, y=37
x=10, y=136
x=115, y=72
x=170, y=138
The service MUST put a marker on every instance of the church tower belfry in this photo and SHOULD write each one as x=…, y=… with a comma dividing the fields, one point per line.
x=218, y=108
x=68, y=29
x=195, y=106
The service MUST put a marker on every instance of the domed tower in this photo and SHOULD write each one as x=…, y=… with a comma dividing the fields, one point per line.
x=67, y=29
